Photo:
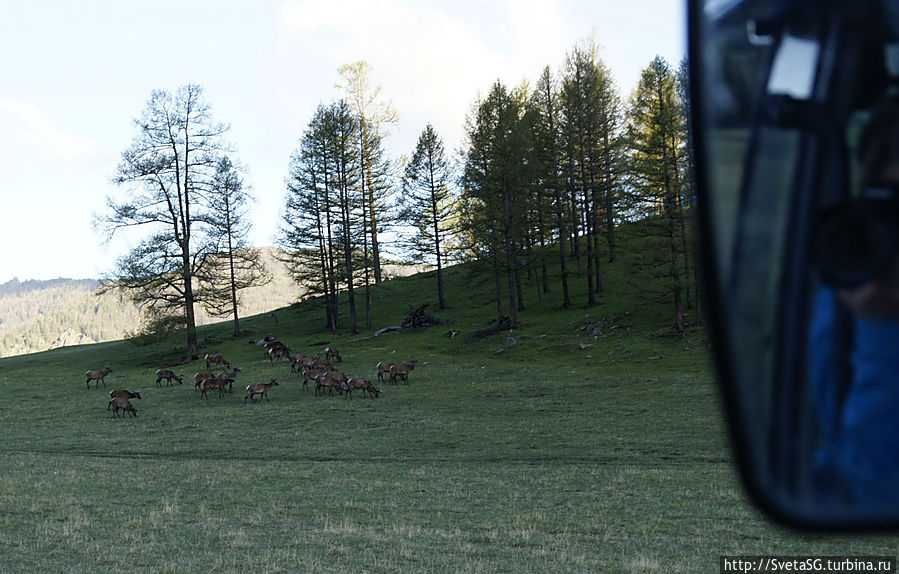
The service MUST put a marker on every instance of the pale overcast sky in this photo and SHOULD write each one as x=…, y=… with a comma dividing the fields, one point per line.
x=74, y=75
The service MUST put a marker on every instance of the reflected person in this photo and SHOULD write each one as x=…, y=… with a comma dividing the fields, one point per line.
x=854, y=333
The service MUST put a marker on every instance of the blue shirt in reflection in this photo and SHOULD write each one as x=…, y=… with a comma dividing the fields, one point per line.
x=858, y=457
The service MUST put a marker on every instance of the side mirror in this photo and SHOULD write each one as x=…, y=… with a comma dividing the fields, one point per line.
x=780, y=93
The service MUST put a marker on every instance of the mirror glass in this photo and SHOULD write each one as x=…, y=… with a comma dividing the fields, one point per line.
x=796, y=135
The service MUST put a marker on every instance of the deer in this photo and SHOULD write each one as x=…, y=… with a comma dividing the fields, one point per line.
x=168, y=375
x=332, y=353
x=296, y=362
x=319, y=363
x=98, y=376
x=124, y=393
x=215, y=383
x=331, y=379
x=279, y=352
x=361, y=383
x=216, y=359
x=311, y=374
x=259, y=389
x=202, y=376
x=384, y=367
x=121, y=403
x=402, y=371
x=275, y=346
x=229, y=378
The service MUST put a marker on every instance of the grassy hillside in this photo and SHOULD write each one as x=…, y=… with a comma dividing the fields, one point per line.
x=590, y=440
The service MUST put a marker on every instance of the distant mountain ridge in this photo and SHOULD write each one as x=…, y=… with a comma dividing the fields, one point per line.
x=37, y=315
x=14, y=286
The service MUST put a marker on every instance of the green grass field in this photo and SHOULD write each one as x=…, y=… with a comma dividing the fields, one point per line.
x=499, y=456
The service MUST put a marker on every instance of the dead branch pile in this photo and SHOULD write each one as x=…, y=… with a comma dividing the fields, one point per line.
x=418, y=318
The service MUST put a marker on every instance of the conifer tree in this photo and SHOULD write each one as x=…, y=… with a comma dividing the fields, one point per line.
x=657, y=144
x=373, y=115
x=428, y=203
x=233, y=265
x=494, y=191
x=545, y=103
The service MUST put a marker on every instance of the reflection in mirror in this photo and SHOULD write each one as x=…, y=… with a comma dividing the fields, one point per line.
x=796, y=132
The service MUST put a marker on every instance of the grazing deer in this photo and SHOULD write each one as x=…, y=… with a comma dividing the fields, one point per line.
x=363, y=384
x=384, y=367
x=332, y=353
x=121, y=403
x=259, y=389
x=168, y=375
x=123, y=393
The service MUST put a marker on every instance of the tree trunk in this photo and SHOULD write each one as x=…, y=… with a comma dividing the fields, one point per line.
x=193, y=349
x=433, y=185
x=233, y=290
x=498, y=284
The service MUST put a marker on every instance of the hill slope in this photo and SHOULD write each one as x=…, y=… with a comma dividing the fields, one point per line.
x=589, y=440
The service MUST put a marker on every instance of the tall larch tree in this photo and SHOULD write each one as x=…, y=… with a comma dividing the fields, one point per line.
x=321, y=227
x=657, y=140
x=374, y=116
x=233, y=265
x=428, y=203
x=590, y=113
x=306, y=235
x=547, y=147
x=493, y=191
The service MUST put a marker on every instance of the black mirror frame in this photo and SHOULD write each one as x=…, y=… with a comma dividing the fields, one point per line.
x=763, y=496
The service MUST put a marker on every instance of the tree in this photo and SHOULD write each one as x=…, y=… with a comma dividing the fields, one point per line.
x=168, y=171
x=233, y=265
x=372, y=115
x=547, y=157
x=306, y=235
x=322, y=215
x=687, y=170
x=657, y=144
x=494, y=192
x=590, y=112
x=344, y=138
x=428, y=202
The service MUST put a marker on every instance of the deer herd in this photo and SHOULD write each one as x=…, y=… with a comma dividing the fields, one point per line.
x=320, y=371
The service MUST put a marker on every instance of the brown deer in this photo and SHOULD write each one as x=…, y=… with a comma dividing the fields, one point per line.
x=98, y=376
x=121, y=403
x=216, y=359
x=332, y=353
x=384, y=367
x=123, y=393
x=210, y=384
x=402, y=371
x=330, y=379
x=259, y=389
x=168, y=375
x=363, y=384
x=202, y=376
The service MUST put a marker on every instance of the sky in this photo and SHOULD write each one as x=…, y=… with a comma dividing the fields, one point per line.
x=75, y=75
